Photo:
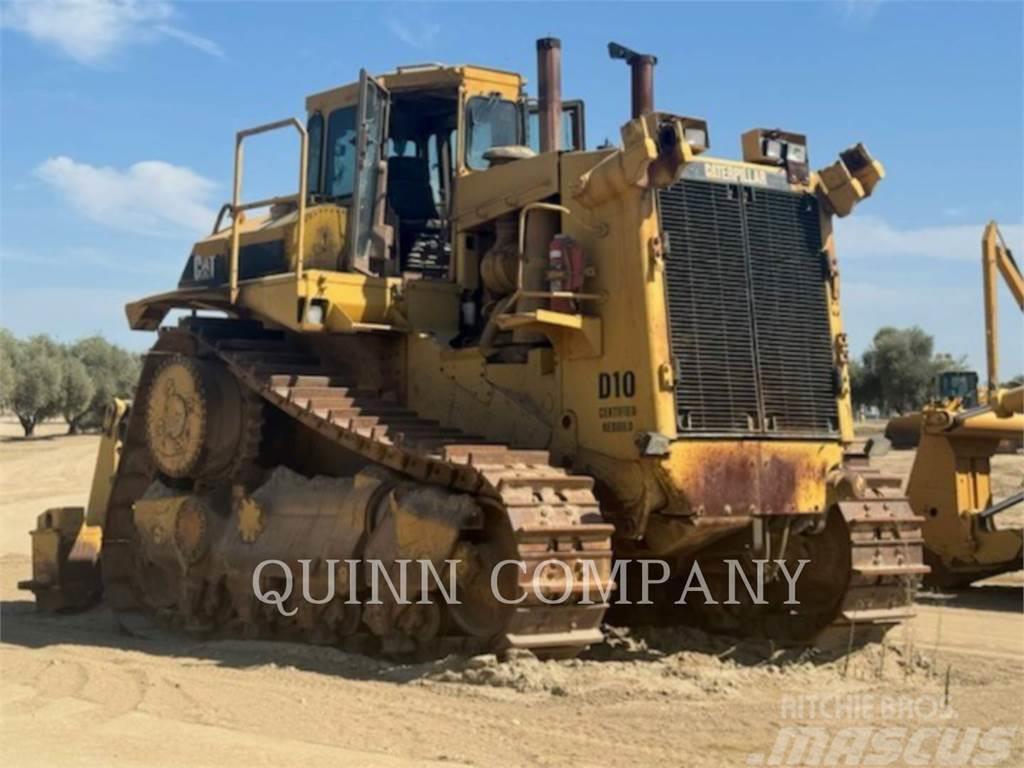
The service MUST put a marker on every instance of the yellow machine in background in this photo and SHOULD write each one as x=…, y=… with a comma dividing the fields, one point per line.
x=954, y=389
x=67, y=541
x=950, y=482
x=960, y=389
x=453, y=345
x=950, y=488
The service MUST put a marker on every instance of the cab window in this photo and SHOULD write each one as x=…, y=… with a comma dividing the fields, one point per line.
x=341, y=152
x=493, y=122
x=572, y=126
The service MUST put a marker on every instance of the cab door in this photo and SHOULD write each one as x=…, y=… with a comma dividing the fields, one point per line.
x=369, y=190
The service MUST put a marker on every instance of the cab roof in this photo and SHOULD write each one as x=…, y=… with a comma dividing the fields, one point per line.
x=476, y=81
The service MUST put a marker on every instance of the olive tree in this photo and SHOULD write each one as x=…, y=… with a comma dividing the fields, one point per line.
x=76, y=392
x=8, y=348
x=36, y=391
x=113, y=371
x=897, y=372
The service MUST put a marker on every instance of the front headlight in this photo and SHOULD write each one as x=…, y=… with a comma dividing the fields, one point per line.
x=697, y=138
x=796, y=153
x=772, y=149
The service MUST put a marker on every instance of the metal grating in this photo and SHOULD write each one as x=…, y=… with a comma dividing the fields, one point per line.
x=747, y=310
x=794, y=342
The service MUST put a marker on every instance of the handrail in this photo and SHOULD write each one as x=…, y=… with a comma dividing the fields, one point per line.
x=507, y=305
x=237, y=206
x=519, y=293
x=220, y=217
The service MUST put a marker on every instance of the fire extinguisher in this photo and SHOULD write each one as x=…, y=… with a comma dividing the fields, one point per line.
x=565, y=271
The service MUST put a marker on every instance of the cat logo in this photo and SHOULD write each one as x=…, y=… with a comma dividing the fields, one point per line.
x=730, y=173
x=204, y=267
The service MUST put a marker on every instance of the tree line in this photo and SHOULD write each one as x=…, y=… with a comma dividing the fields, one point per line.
x=42, y=379
x=897, y=372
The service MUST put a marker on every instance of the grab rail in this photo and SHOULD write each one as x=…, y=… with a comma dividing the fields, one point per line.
x=520, y=292
x=237, y=206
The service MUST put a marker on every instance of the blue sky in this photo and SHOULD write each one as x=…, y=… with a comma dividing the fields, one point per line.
x=118, y=121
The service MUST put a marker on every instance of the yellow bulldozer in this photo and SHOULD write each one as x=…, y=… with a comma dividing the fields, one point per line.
x=469, y=339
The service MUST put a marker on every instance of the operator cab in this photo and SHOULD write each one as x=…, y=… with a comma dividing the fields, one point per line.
x=960, y=385
x=390, y=149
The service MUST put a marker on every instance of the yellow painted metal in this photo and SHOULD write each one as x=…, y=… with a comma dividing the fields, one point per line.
x=1007, y=402
x=574, y=336
x=992, y=424
x=481, y=197
x=354, y=300
x=840, y=344
x=472, y=80
x=323, y=237
x=996, y=259
x=548, y=396
x=621, y=238
x=848, y=180
x=108, y=456
x=66, y=542
x=950, y=484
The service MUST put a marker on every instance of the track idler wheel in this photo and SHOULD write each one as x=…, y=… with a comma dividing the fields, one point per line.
x=199, y=422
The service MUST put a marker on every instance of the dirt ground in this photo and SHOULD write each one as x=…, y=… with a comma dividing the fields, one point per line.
x=89, y=690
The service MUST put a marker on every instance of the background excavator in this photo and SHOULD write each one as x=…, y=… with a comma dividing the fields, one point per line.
x=950, y=482
x=469, y=338
x=962, y=389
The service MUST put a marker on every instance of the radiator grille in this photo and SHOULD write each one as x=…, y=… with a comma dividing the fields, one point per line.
x=747, y=310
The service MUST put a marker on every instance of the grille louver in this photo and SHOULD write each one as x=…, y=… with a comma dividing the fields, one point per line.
x=747, y=310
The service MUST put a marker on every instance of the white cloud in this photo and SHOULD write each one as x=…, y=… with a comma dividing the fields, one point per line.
x=151, y=197
x=195, y=41
x=91, y=30
x=873, y=237
x=419, y=35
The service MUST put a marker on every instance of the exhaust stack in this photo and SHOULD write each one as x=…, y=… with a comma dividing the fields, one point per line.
x=549, y=92
x=641, y=67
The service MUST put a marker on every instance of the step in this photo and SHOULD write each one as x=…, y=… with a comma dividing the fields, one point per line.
x=325, y=402
x=293, y=380
x=306, y=392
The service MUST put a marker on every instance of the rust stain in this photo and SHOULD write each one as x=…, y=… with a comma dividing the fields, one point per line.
x=742, y=479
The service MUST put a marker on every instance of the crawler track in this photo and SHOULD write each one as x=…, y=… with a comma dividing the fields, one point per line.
x=552, y=515
x=886, y=558
x=870, y=552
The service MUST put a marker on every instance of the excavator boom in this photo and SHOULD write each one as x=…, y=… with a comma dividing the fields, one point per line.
x=996, y=258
